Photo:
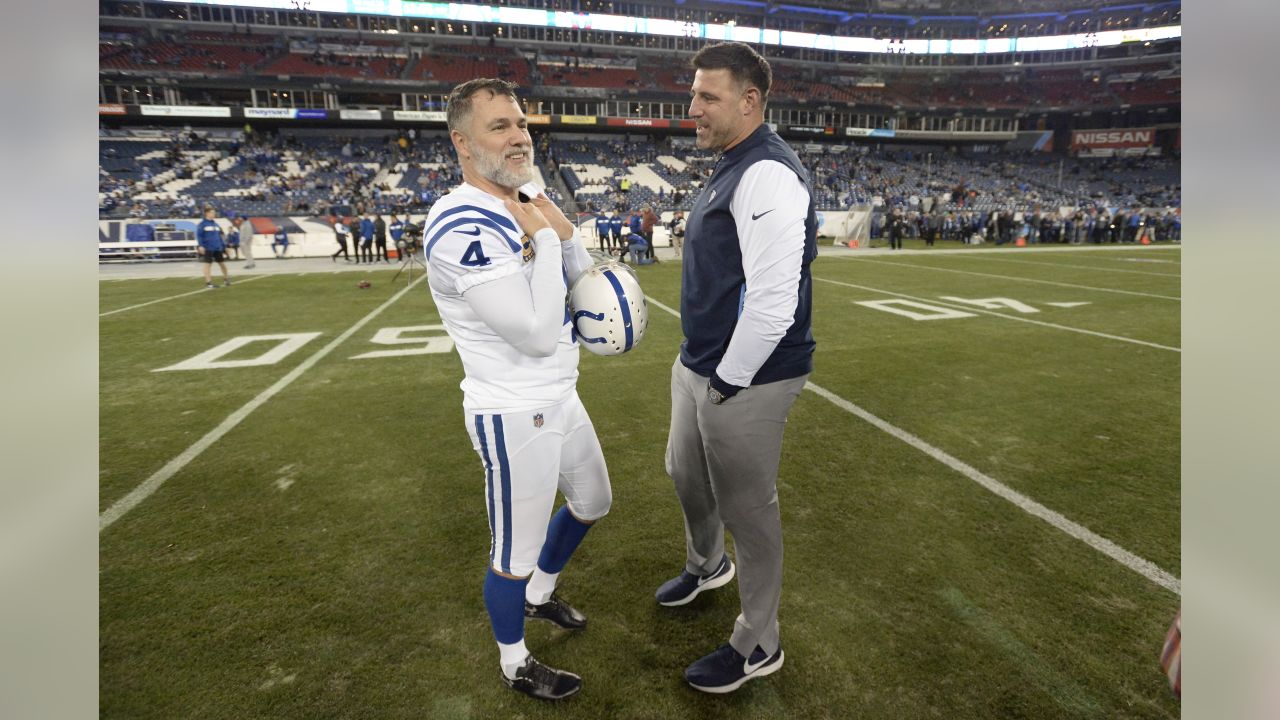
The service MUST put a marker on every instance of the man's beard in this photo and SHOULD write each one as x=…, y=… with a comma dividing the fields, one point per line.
x=493, y=167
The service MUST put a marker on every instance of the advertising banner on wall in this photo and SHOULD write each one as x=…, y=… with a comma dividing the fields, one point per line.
x=360, y=114
x=419, y=115
x=1112, y=139
x=184, y=111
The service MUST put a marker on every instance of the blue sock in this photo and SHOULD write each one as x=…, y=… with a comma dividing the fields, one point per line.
x=504, y=599
x=564, y=533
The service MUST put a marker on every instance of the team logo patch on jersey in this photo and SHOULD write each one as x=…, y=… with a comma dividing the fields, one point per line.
x=526, y=248
x=537, y=420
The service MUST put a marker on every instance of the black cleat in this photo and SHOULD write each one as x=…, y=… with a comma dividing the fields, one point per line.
x=556, y=611
x=542, y=681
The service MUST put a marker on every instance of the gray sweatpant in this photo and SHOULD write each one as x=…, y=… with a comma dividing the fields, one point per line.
x=246, y=245
x=724, y=461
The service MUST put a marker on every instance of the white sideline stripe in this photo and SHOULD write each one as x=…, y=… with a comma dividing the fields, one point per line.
x=175, y=297
x=1143, y=567
x=1084, y=267
x=913, y=266
x=151, y=484
x=664, y=307
x=970, y=308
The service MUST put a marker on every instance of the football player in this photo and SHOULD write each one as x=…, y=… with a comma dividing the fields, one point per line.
x=500, y=254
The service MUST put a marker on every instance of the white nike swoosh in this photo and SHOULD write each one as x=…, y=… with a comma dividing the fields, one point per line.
x=748, y=668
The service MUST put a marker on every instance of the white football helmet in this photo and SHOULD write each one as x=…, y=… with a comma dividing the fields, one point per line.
x=608, y=308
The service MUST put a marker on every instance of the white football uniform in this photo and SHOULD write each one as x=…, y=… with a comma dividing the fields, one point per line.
x=470, y=240
x=506, y=314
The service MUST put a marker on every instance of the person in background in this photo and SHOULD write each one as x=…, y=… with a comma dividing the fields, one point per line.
x=396, y=228
x=211, y=248
x=233, y=236
x=380, y=237
x=648, y=220
x=340, y=232
x=281, y=241
x=367, y=228
x=677, y=226
x=602, y=231
x=246, y=240
x=615, y=235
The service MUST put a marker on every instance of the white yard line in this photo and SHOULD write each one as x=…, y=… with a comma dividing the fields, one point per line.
x=913, y=266
x=1143, y=567
x=153, y=483
x=972, y=309
x=1083, y=267
x=182, y=295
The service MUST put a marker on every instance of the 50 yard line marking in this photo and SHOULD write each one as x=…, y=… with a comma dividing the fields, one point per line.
x=1143, y=567
x=153, y=483
x=175, y=297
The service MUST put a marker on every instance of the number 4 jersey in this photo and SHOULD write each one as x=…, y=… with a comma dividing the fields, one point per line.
x=470, y=240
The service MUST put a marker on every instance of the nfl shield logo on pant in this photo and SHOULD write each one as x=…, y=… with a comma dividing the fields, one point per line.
x=537, y=420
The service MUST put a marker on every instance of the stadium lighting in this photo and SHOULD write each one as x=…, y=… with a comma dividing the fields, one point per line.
x=557, y=19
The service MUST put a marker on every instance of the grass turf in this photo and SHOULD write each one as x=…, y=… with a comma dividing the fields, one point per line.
x=324, y=557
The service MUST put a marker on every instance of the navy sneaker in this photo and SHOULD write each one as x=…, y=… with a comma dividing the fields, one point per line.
x=725, y=669
x=542, y=681
x=683, y=589
x=558, y=612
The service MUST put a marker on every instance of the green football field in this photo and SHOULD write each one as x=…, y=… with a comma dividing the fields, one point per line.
x=979, y=490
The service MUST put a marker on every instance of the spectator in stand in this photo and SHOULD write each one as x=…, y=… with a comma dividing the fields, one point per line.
x=211, y=248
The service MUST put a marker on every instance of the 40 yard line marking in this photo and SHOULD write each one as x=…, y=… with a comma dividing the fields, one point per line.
x=970, y=308
x=153, y=483
x=1083, y=267
x=1143, y=567
x=913, y=266
x=175, y=297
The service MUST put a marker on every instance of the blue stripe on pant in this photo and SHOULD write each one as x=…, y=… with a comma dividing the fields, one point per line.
x=506, y=493
x=488, y=468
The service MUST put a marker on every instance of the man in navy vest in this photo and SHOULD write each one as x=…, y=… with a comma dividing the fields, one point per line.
x=745, y=304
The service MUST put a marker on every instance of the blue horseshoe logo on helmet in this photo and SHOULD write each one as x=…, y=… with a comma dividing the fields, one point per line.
x=598, y=317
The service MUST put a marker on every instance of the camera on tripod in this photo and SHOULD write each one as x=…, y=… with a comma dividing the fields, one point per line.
x=411, y=241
